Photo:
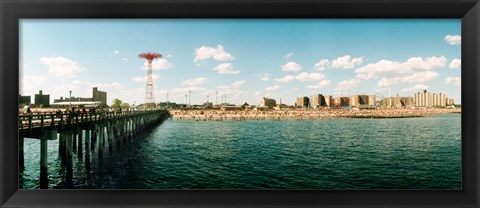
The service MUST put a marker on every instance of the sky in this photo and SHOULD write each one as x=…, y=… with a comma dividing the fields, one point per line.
x=244, y=59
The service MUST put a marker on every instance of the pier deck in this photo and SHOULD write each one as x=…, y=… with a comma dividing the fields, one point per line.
x=82, y=131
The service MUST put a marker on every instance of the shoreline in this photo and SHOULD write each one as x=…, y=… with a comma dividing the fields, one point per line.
x=221, y=115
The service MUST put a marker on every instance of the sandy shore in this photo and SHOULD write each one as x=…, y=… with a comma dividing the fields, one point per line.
x=220, y=115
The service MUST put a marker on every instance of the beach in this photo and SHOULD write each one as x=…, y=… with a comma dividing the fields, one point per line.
x=303, y=114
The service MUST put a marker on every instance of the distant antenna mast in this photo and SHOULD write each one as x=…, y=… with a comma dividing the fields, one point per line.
x=390, y=91
x=189, y=97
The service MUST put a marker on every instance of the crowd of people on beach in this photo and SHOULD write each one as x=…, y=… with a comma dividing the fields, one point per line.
x=302, y=114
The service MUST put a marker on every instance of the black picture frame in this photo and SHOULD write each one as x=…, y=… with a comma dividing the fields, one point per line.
x=13, y=10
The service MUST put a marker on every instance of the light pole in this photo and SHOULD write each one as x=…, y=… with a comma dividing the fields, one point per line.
x=190, y=98
x=70, y=99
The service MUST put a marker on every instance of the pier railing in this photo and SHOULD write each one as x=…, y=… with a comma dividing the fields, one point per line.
x=31, y=122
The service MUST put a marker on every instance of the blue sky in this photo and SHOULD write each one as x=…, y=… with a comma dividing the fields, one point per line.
x=244, y=59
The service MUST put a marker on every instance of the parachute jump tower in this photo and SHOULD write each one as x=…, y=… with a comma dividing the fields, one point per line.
x=149, y=93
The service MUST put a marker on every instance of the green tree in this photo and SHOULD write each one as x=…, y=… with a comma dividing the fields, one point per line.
x=117, y=103
x=245, y=105
x=125, y=105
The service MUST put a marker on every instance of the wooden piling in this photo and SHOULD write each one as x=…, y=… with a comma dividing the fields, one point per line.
x=69, y=162
x=21, y=154
x=43, y=163
x=74, y=141
x=62, y=147
x=80, y=141
x=87, y=151
x=118, y=134
x=102, y=136
x=111, y=138
x=93, y=137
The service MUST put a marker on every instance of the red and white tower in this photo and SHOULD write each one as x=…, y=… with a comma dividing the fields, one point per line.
x=149, y=90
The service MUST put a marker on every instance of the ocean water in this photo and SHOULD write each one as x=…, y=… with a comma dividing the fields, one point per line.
x=345, y=153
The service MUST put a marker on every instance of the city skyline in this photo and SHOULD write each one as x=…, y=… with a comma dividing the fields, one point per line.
x=244, y=59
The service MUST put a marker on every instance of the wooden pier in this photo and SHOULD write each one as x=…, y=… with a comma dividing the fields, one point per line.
x=72, y=129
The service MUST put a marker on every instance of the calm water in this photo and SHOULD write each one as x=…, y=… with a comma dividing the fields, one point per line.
x=407, y=153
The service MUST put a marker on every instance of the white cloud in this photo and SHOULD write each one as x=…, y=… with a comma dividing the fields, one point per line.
x=234, y=90
x=291, y=67
x=421, y=77
x=323, y=83
x=455, y=64
x=116, y=52
x=416, y=88
x=265, y=77
x=456, y=81
x=387, y=67
x=84, y=89
x=257, y=93
x=286, y=79
x=453, y=39
x=219, y=54
x=169, y=56
x=144, y=78
x=140, y=79
x=62, y=67
x=180, y=92
x=308, y=77
x=33, y=79
x=234, y=87
x=226, y=68
x=427, y=63
x=238, y=84
x=346, y=62
x=272, y=88
x=159, y=64
x=288, y=56
x=195, y=81
x=322, y=64
x=124, y=59
x=88, y=85
x=29, y=84
x=303, y=77
x=114, y=85
x=346, y=85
